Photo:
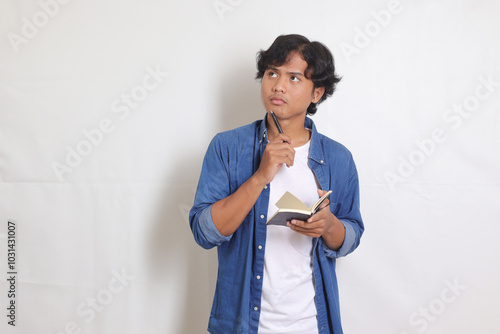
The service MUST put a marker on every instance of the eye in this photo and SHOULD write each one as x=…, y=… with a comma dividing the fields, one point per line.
x=272, y=74
x=294, y=78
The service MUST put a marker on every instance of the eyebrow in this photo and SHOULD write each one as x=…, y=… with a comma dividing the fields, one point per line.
x=292, y=73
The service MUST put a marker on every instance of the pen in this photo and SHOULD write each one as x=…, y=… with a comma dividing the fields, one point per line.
x=321, y=200
x=276, y=121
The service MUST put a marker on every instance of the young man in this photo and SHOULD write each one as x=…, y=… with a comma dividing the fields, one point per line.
x=277, y=279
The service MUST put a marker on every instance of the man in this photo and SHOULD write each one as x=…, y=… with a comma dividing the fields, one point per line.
x=279, y=279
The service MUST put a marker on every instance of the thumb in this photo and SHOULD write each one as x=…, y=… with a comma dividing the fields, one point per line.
x=321, y=192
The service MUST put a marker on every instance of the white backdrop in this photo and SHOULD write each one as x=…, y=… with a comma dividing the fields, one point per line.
x=107, y=107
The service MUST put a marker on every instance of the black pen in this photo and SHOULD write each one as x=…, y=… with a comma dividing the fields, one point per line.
x=276, y=121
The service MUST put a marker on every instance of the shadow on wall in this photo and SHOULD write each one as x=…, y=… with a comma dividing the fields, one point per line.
x=175, y=258
x=180, y=271
x=239, y=94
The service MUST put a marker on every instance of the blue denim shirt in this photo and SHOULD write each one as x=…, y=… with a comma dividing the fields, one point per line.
x=232, y=157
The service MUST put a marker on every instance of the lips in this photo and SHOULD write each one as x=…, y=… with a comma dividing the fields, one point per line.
x=276, y=100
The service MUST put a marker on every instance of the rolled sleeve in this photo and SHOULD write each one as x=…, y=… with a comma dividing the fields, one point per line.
x=347, y=245
x=212, y=186
x=208, y=229
x=347, y=211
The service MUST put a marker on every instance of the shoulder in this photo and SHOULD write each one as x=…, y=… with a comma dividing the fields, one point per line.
x=242, y=130
x=331, y=146
x=325, y=146
x=238, y=135
x=235, y=141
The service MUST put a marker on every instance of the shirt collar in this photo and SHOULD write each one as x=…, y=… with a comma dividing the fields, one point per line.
x=315, y=151
x=263, y=131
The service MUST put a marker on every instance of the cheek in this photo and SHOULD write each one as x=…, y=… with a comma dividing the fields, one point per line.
x=265, y=88
x=263, y=93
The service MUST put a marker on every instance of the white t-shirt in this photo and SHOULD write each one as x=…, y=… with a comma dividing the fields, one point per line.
x=287, y=304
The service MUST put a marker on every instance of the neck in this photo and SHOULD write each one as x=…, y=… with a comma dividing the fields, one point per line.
x=292, y=128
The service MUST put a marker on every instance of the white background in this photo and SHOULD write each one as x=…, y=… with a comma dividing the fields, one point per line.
x=104, y=246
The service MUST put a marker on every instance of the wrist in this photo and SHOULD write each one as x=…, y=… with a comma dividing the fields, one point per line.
x=258, y=180
x=334, y=234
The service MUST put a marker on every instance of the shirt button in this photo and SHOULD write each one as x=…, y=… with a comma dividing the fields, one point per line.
x=265, y=187
x=322, y=161
x=262, y=216
x=255, y=308
x=260, y=246
x=258, y=276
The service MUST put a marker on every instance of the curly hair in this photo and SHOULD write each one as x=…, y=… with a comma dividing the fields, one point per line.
x=319, y=59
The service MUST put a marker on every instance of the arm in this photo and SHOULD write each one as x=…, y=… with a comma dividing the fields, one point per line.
x=322, y=224
x=217, y=212
x=229, y=212
x=341, y=233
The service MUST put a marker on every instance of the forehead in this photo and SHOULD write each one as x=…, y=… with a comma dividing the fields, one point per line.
x=294, y=63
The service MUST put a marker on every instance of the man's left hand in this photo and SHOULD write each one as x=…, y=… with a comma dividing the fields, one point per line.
x=318, y=223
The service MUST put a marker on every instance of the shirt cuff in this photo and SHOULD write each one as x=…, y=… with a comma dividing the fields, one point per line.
x=349, y=240
x=207, y=226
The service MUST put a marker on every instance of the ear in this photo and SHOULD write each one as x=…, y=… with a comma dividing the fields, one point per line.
x=317, y=94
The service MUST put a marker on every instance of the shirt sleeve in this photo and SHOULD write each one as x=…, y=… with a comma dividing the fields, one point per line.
x=348, y=212
x=211, y=235
x=212, y=186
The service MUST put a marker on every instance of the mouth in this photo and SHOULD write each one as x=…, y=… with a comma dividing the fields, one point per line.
x=277, y=101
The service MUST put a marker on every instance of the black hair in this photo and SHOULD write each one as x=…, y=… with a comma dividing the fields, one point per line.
x=319, y=59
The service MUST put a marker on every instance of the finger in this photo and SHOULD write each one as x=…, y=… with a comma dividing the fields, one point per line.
x=285, y=155
x=297, y=223
x=283, y=138
x=282, y=157
x=312, y=231
x=279, y=147
x=282, y=149
x=304, y=225
x=326, y=202
x=321, y=214
x=321, y=192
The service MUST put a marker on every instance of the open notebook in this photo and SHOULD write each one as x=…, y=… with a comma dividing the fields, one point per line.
x=290, y=207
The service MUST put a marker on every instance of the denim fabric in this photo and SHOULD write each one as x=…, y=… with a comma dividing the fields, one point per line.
x=232, y=157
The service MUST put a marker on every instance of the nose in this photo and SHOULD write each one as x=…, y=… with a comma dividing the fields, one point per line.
x=280, y=85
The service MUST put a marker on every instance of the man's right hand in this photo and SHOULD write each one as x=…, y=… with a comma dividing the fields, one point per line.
x=279, y=151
